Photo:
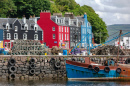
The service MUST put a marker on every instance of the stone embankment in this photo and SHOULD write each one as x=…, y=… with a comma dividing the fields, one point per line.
x=34, y=67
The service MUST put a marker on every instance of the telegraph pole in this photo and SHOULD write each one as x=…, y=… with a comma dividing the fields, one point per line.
x=119, y=46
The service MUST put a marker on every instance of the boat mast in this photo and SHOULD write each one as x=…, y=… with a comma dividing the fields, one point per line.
x=119, y=46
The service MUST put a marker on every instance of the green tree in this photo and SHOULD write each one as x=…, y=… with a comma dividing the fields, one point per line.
x=7, y=8
x=31, y=7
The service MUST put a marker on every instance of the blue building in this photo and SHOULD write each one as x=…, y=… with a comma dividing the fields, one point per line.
x=86, y=34
x=1, y=38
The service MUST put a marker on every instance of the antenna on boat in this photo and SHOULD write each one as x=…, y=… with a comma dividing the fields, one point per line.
x=119, y=46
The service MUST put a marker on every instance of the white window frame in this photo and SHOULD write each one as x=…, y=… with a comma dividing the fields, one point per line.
x=59, y=36
x=62, y=28
x=65, y=29
x=26, y=26
x=36, y=38
x=25, y=34
x=62, y=36
x=53, y=28
x=59, y=29
x=15, y=38
x=8, y=36
x=16, y=28
x=54, y=36
x=65, y=36
x=7, y=25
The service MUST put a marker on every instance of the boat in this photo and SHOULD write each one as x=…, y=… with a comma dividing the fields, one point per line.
x=97, y=72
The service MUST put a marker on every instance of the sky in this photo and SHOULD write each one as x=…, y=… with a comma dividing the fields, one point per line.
x=111, y=11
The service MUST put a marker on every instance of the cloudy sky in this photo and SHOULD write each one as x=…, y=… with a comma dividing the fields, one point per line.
x=111, y=11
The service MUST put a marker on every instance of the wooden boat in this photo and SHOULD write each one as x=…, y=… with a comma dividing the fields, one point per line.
x=92, y=71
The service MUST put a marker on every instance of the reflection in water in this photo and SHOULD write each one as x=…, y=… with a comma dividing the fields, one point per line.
x=60, y=83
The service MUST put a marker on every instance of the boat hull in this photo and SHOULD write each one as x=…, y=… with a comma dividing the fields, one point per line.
x=77, y=71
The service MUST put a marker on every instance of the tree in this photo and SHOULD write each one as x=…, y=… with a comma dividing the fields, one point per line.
x=31, y=7
x=7, y=8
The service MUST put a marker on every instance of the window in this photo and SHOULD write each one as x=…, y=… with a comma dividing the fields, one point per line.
x=62, y=29
x=7, y=27
x=35, y=28
x=15, y=35
x=65, y=36
x=24, y=36
x=36, y=37
x=25, y=27
x=62, y=36
x=59, y=36
x=53, y=28
x=59, y=29
x=8, y=36
x=65, y=29
x=54, y=36
x=16, y=28
x=5, y=44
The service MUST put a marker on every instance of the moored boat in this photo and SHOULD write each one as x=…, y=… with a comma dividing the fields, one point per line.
x=92, y=71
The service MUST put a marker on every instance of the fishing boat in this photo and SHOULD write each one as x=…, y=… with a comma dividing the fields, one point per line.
x=92, y=71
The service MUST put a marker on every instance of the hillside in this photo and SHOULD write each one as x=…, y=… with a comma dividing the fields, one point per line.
x=113, y=30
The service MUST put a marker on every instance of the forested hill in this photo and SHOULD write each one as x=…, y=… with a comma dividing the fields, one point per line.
x=18, y=8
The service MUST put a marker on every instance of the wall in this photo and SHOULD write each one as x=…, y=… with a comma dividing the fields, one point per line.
x=42, y=67
x=1, y=34
x=1, y=44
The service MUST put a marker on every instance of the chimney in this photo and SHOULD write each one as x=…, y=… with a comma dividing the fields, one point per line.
x=69, y=21
x=85, y=15
x=77, y=22
x=24, y=19
x=57, y=14
x=45, y=15
x=30, y=16
x=69, y=14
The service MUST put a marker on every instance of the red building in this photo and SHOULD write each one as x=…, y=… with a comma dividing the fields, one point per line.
x=56, y=33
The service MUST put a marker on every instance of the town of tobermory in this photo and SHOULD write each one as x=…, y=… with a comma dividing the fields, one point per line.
x=64, y=43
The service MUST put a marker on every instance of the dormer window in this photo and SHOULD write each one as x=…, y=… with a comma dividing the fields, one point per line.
x=35, y=29
x=7, y=27
x=26, y=27
x=16, y=28
x=53, y=28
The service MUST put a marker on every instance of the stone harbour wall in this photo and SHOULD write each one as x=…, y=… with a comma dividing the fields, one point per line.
x=34, y=67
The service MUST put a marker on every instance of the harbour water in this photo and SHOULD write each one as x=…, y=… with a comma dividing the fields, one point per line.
x=60, y=83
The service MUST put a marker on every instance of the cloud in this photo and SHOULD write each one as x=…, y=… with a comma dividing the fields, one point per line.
x=111, y=11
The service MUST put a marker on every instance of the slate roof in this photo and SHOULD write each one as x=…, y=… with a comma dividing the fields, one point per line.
x=30, y=24
x=4, y=21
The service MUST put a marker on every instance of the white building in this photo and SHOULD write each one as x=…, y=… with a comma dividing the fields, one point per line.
x=125, y=43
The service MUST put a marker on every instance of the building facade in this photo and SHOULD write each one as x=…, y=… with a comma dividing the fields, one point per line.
x=56, y=31
x=19, y=29
x=86, y=34
x=124, y=43
x=1, y=38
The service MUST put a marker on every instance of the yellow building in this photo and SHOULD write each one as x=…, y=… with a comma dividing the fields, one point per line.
x=1, y=44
